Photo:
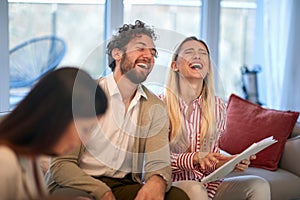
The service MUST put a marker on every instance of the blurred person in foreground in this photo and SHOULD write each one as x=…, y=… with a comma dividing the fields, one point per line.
x=45, y=123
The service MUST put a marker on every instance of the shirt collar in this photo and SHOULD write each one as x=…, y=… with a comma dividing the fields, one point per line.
x=112, y=85
x=114, y=90
x=140, y=92
x=183, y=104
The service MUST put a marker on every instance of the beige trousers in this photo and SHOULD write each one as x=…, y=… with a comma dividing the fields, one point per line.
x=194, y=189
x=246, y=187
x=233, y=188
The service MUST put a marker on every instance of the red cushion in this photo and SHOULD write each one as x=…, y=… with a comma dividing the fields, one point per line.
x=248, y=123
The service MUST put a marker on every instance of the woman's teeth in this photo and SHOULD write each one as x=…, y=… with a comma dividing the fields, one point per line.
x=197, y=66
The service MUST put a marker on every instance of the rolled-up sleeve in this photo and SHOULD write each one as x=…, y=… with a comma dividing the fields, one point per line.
x=65, y=171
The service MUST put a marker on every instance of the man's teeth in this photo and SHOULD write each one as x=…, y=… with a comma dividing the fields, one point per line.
x=142, y=65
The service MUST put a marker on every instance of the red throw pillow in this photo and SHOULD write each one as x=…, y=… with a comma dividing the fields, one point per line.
x=247, y=123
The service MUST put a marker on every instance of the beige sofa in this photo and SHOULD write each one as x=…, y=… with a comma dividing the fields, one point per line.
x=285, y=182
x=2, y=114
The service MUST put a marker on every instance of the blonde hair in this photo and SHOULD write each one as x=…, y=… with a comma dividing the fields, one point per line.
x=208, y=119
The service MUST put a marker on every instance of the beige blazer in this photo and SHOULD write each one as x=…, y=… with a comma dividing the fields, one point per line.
x=151, y=148
x=17, y=177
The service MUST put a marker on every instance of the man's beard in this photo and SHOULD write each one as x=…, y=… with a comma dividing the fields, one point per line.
x=129, y=70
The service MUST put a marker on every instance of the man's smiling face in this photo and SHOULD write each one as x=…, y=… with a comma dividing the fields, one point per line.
x=138, y=58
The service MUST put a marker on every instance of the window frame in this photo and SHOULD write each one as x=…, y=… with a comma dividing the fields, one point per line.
x=114, y=15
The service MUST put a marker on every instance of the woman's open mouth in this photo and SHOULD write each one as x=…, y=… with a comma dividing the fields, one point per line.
x=196, y=66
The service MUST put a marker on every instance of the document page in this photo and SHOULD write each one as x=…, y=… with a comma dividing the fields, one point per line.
x=225, y=169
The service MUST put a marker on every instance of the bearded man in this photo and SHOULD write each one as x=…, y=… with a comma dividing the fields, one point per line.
x=128, y=156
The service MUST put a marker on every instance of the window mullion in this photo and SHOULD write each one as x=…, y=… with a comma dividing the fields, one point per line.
x=4, y=57
x=210, y=26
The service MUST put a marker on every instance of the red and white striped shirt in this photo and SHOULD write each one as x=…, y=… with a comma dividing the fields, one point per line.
x=182, y=163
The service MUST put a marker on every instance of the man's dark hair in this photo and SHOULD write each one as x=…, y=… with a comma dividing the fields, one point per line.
x=124, y=35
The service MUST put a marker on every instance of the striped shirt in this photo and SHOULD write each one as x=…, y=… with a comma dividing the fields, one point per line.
x=182, y=163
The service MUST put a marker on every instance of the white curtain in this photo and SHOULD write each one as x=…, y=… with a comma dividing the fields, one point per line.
x=276, y=49
x=290, y=98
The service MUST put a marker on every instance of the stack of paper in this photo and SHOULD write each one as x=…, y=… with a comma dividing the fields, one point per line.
x=228, y=167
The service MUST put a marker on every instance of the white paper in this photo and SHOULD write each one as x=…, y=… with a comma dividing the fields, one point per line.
x=228, y=167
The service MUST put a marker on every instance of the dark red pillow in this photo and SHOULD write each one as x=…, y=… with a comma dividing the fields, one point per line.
x=247, y=123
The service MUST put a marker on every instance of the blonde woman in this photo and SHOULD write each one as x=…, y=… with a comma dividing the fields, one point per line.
x=197, y=118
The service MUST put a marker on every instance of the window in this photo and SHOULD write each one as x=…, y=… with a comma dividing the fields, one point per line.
x=173, y=20
x=65, y=19
x=81, y=23
x=237, y=30
x=183, y=17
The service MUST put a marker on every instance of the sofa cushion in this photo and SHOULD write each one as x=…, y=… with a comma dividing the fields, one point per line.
x=290, y=158
x=247, y=123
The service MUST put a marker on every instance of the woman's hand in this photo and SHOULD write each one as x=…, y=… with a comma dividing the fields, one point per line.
x=244, y=164
x=207, y=160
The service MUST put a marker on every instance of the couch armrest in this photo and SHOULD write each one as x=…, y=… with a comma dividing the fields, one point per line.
x=290, y=159
x=2, y=115
x=296, y=130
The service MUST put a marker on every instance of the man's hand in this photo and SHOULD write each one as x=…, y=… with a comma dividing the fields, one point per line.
x=154, y=189
x=108, y=196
